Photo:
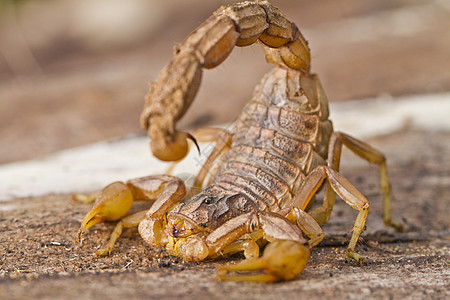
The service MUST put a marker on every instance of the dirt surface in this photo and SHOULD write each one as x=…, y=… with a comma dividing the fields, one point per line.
x=40, y=258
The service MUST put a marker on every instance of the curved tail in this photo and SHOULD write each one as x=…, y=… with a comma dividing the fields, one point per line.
x=240, y=24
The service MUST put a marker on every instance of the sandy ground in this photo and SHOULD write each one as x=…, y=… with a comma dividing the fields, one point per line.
x=75, y=93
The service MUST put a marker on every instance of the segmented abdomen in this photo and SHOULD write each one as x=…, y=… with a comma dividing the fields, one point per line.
x=279, y=137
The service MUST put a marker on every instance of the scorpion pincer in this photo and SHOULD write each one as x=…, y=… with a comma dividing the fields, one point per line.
x=258, y=185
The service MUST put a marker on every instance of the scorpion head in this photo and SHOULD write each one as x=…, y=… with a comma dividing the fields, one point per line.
x=205, y=212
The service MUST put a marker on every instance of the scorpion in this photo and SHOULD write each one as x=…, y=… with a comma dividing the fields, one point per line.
x=263, y=175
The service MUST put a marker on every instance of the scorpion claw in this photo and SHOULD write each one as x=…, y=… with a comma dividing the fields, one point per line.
x=282, y=260
x=111, y=204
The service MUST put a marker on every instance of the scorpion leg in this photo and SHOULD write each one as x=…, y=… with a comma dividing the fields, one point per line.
x=308, y=225
x=115, y=200
x=127, y=222
x=371, y=155
x=367, y=152
x=247, y=243
x=345, y=190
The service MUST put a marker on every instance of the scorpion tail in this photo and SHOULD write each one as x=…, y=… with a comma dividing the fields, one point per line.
x=206, y=47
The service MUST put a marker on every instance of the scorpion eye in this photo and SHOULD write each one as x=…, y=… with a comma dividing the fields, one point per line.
x=208, y=201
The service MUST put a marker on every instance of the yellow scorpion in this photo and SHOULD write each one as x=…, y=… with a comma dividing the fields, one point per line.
x=264, y=174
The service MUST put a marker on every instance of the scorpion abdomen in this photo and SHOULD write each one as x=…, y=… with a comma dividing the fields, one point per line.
x=280, y=136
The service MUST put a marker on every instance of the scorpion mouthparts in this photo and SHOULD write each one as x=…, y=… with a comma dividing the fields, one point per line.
x=179, y=229
x=175, y=231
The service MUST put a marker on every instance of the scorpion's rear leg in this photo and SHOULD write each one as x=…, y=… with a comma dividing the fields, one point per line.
x=367, y=152
x=115, y=200
x=341, y=186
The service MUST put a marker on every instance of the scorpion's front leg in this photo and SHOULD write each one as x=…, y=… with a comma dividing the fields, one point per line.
x=115, y=200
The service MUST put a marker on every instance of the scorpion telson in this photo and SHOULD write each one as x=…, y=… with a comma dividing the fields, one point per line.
x=262, y=176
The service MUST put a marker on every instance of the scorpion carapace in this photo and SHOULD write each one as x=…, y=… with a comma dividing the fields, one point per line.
x=262, y=176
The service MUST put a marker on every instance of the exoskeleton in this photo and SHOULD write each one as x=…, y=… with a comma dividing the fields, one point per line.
x=263, y=175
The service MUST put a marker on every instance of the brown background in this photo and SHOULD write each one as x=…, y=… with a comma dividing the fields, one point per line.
x=63, y=85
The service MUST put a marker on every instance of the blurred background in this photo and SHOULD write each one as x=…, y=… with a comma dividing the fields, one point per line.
x=73, y=72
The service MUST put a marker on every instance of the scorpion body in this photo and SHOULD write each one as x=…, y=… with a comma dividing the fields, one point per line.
x=279, y=138
x=263, y=175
